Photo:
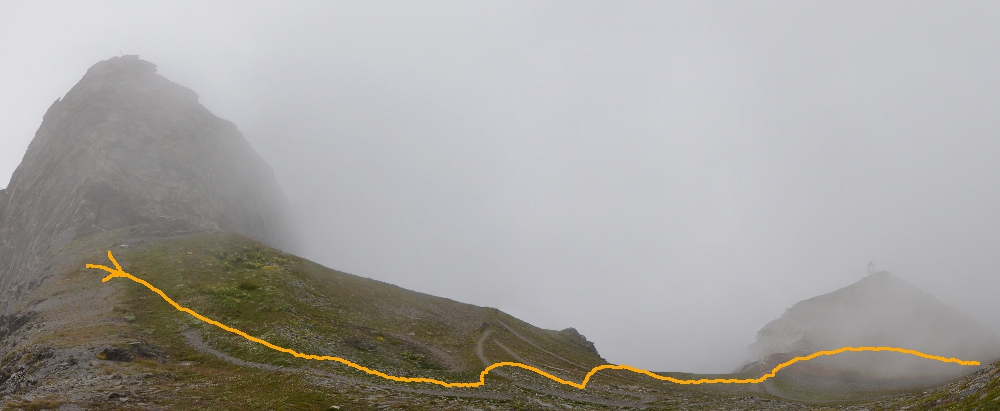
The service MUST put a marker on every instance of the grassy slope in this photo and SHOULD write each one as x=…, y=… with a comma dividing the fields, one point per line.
x=297, y=304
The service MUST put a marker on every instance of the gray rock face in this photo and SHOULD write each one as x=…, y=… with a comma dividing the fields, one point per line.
x=127, y=147
x=3, y=203
x=879, y=310
x=580, y=339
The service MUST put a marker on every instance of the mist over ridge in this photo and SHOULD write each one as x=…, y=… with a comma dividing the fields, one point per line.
x=878, y=310
x=731, y=159
x=126, y=147
x=428, y=190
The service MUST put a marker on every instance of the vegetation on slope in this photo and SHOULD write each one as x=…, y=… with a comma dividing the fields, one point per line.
x=117, y=345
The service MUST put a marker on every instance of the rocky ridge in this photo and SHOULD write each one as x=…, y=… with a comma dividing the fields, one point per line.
x=879, y=310
x=128, y=147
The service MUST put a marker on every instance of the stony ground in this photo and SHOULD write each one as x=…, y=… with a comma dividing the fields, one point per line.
x=79, y=344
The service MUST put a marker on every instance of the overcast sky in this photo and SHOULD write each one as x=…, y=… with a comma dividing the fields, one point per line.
x=665, y=177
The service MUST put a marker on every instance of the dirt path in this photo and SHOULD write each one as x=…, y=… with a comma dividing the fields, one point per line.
x=641, y=404
x=193, y=338
x=479, y=347
x=532, y=343
x=644, y=398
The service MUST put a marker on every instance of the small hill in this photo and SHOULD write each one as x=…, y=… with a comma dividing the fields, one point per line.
x=879, y=310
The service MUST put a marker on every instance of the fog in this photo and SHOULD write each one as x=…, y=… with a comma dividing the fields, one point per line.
x=664, y=177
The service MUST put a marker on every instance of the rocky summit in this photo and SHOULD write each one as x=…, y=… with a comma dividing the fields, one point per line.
x=127, y=147
x=879, y=310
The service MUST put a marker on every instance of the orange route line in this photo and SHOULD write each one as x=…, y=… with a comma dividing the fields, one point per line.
x=118, y=272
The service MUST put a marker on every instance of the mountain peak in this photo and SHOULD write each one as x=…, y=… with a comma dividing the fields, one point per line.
x=878, y=310
x=880, y=275
x=121, y=67
x=127, y=147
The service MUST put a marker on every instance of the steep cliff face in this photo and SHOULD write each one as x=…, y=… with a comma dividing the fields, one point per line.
x=879, y=310
x=128, y=147
x=3, y=204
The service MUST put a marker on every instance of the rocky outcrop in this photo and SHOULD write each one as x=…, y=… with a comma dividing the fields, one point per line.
x=3, y=205
x=580, y=339
x=128, y=147
x=879, y=310
x=9, y=324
